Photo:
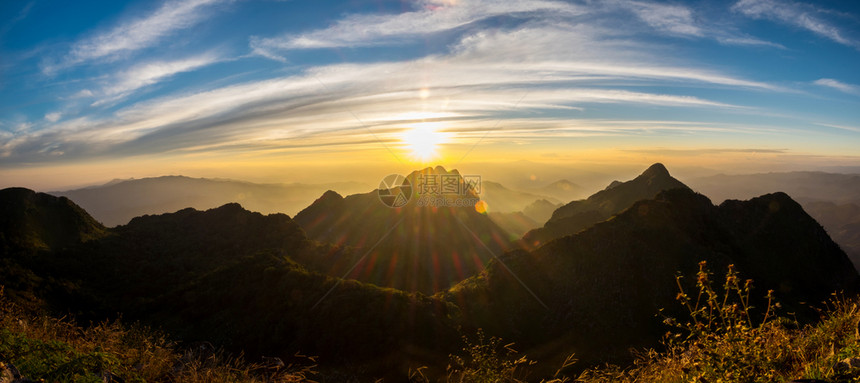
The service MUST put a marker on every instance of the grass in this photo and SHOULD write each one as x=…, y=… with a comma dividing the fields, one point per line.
x=725, y=339
x=722, y=339
x=56, y=350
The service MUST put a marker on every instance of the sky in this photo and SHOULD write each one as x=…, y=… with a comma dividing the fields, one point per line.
x=293, y=91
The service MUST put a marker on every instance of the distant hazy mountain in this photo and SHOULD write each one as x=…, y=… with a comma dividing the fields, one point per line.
x=842, y=222
x=414, y=248
x=520, y=222
x=831, y=198
x=116, y=202
x=578, y=215
x=820, y=186
x=598, y=292
x=562, y=190
x=515, y=224
x=503, y=200
x=541, y=210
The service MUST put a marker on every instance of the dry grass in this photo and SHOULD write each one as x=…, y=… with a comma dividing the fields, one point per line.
x=56, y=350
x=721, y=340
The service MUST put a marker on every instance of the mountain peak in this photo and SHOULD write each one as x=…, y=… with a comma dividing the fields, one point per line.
x=439, y=169
x=656, y=170
x=32, y=221
x=331, y=195
x=578, y=215
x=328, y=199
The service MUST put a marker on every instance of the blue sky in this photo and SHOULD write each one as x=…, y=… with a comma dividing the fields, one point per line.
x=94, y=83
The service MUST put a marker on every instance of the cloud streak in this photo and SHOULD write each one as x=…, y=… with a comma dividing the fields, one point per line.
x=673, y=19
x=136, y=34
x=431, y=17
x=798, y=15
x=142, y=75
x=838, y=85
x=298, y=111
x=545, y=73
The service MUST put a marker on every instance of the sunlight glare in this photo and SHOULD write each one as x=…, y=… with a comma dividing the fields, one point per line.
x=423, y=140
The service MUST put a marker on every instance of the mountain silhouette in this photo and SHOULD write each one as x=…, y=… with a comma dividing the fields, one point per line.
x=842, y=223
x=596, y=293
x=118, y=201
x=413, y=247
x=504, y=200
x=831, y=198
x=516, y=224
x=247, y=281
x=802, y=186
x=31, y=221
x=562, y=190
x=239, y=279
x=36, y=229
x=540, y=210
x=578, y=215
x=259, y=284
x=519, y=223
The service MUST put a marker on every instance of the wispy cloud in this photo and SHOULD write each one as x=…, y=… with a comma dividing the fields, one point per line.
x=53, y=117
x=838, y=85
x=126, y=82
x=748, y=41
x=296, y=111
x=538, y=75
x=706, y=151
x=854, y=129
x=432, y=16
x=135, y=34
x=674, y=19
x=795, y=14
x=592, y=52
x=21, y=15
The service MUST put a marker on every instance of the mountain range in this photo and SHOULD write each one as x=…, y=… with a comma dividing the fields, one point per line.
x=272, y=285
x=414, y=247
x=225, y=275
x=802, y=186
x=118, y=201
x=596, y=293
x=580, y=214
x=832, y=199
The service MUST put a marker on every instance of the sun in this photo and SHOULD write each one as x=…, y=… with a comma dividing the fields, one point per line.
x=423, y=140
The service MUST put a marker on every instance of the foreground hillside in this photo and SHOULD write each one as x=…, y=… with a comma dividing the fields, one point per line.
x=231, y=277
x=596, y=293
x=256, y=284
x=715, y=341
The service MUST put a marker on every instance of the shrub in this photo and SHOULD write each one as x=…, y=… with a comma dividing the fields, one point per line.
x=723, y=340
